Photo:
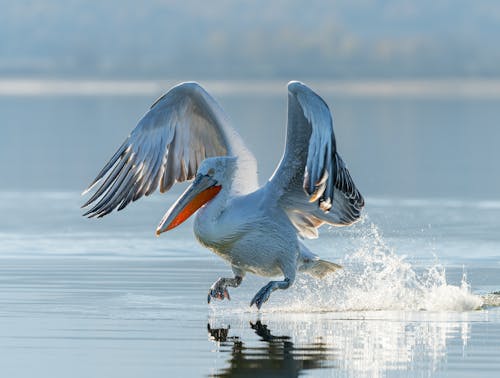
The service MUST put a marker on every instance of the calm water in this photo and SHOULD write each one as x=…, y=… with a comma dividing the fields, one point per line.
x=106, y=298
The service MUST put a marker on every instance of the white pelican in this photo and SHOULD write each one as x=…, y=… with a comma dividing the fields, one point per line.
x=185, y=135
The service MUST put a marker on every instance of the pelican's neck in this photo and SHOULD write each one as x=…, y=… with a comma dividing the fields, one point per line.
x=207, y=223
x=214, y=208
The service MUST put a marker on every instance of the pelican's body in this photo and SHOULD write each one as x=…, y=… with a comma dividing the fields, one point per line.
x=251, y=233
x=185, y=135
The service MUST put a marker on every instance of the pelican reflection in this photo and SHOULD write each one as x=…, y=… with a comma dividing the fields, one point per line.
x=359, y=343
x=275, y=356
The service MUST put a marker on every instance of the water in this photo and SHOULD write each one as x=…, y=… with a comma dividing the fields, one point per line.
x=100, y=298
x=105, y=297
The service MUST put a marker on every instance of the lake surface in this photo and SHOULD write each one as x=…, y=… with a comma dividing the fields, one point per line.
x=105, y=297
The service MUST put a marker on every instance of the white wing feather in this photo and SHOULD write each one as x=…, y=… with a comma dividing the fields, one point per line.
x=181, y=129
x=312, y=182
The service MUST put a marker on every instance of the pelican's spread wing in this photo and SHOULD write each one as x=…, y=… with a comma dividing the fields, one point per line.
x=312, y=182
x=179, y=131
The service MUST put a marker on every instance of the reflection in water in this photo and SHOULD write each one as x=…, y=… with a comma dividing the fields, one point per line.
x=357, y=344
x=278, y=356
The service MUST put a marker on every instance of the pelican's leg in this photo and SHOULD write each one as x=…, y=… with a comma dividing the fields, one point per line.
x=264, y=293
x=219, y=289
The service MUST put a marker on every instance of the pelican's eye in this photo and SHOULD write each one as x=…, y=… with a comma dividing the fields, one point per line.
x=211, y=172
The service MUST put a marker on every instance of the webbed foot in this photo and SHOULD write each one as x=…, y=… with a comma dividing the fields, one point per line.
x=219, y=289
x=263, y=294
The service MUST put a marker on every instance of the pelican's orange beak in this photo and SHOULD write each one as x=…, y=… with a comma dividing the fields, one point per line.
x=202, y=190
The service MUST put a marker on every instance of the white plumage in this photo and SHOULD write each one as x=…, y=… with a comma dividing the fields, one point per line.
x=186, y=135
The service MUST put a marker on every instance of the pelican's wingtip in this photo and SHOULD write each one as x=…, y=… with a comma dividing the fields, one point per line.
x=190, y=85
x=90, y=187
x=296, y=86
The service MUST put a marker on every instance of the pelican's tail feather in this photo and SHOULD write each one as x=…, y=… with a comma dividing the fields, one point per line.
x=319, y=268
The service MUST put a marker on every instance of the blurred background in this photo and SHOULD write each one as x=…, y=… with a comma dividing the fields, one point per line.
x=414, y=85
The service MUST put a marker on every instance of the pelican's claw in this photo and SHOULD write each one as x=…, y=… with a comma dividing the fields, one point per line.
x=263, y=295
x=218, y=290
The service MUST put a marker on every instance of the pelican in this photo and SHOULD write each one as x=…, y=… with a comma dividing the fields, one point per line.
x=186, y=136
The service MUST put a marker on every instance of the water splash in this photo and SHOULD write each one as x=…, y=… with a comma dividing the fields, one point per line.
x=376, y=278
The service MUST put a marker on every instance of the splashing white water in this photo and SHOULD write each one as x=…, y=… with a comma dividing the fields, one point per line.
x=375, y=278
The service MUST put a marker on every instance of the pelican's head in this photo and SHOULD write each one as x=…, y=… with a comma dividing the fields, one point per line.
x=220, y=168
x=212, y=175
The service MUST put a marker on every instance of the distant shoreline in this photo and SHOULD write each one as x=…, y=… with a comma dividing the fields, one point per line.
x=373, y=88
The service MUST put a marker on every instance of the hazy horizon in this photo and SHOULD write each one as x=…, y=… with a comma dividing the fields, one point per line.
x=255, y=40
